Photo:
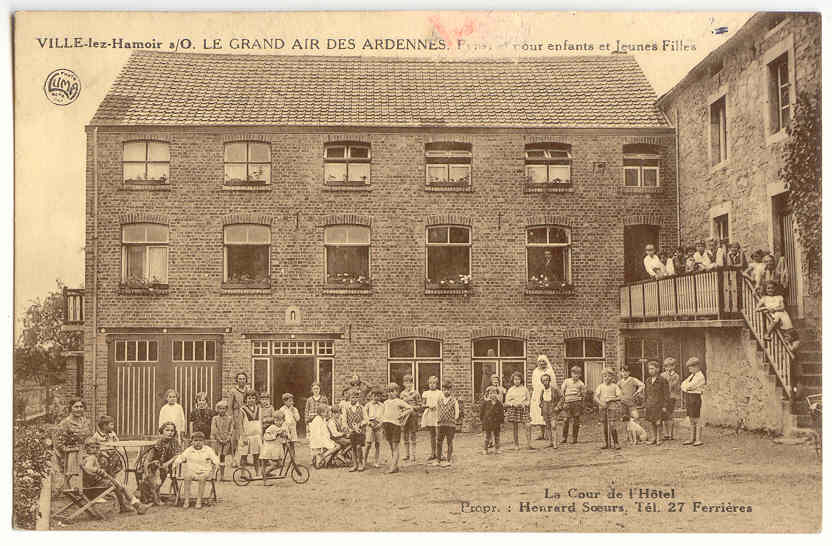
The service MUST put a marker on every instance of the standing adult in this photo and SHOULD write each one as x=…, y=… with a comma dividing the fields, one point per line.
x=544, y=367
x=238, y=400
x=70, y=435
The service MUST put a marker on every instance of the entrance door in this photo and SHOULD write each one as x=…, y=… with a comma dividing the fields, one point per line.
x=295, y=375
x=785, y=241
x=635, y=239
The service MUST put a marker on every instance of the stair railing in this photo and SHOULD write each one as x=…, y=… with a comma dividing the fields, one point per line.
x=777, y=350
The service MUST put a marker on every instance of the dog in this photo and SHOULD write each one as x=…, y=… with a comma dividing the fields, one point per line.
x=150, y=484
x=635, y=432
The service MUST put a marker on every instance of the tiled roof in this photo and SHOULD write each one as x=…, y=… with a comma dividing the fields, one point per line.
x=175, y=89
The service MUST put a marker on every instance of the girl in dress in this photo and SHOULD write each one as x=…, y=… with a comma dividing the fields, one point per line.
x=544, y=367
x=772, y=304
x=319, y=440
x=173, y=412
x=274, y=437
x=517, y=409
x=430, y=398
x=251, y=433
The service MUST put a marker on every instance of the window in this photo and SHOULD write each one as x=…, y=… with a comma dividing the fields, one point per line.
x=346, y=164
x=421, y=358
x=641, y=166
x=247, y=163
x=137, y=350
x=588, y=354
x=716, y=66
x=548, y=257
x=144, y=255
x=719, y=132
x=247, y=254
x=779, y=93
x=448, y=257
x=720, y=227
x=448, y=164
x=548, y=164
x=495, y=355
x=347, y=261
x=146, y=162
x=202, y=350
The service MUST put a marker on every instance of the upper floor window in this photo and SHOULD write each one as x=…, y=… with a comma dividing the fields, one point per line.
x=548, y=164
x=419, y=358
x=448, y=257
x=718, y=132
x=347, y=256
x=779, y=93
x=448, y=164
x=347, y=164
x=641, y=166
x=146, y=162
x=247, y=163
x=548, y=257
x=247, y=254
x=144, y=255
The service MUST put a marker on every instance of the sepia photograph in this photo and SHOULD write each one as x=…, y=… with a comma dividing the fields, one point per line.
x=417, y=271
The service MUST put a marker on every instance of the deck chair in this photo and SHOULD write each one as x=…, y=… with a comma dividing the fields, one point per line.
x=98, y=502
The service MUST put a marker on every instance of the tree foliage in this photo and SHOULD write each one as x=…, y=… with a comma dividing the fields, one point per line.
x=37, y=353
x=802, y=175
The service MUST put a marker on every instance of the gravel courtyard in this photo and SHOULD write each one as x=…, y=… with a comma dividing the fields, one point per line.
x=530, y=491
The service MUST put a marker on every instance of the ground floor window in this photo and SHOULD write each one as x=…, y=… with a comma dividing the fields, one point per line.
x=496, y=355
x=420, y=358
x=587, y=354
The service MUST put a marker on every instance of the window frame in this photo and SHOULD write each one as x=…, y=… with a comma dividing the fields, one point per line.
x=721, y=113
x=348, y=160
x=449, y=154
x=254, y=283
x=568, y=245
x=146, y=245
x=554, y=154
x=358, y=284
x=182, y=358
x=642, y=158
x=775, y=69
x=248, y=163
x=498, y=361
x=125, y=341
x=569, y=361
x=442, y=284
x=268, y=358
x=416, y=361
x=163, y=181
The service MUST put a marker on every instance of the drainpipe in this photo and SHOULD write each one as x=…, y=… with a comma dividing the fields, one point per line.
x=95, y=274
x=678, y=199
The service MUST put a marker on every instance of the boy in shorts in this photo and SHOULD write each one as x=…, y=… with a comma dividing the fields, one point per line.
x=396, y=412
x=373, y=416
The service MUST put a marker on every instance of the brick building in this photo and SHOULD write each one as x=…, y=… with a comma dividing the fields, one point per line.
x=730, y=113
x=303, y=218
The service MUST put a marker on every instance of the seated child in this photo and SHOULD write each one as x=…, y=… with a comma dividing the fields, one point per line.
x=96, y=480
x=274, y=440
x=109, y=458
x=336, y=434
x=165, y=449
x=772, y=305
x=200, y=463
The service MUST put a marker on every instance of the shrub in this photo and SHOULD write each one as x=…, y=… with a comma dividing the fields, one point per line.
x=31, y=466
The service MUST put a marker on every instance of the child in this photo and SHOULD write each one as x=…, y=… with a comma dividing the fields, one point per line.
x=201, y=416
x=266, y=408
x=774, y=307
x=110, y=461
x=412, y=397
x=200, y=463
x=373, y=415
x=631, y=388
x=96, y=480
x=251, y=433
x=173, y=412
x=429, y=418
x=353, y=419
x=550, y=405
x=702, y=257
x=447, y=410
x=165, y=449
x=495, y=382
x=752, y=271
x=735, y=257
x=574, y=392
x=291, y=416
x=396, y=412
x=336, y=434
x=319, y=440
x=673, y=382
x=690, y=261
x=517, y=409
x=491, y=417
x=608, y=396
x=222, y=428
x=692, y=387
x=274, y=437
x=656, y=399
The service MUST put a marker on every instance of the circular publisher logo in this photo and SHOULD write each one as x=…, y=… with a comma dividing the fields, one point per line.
x=62, y=86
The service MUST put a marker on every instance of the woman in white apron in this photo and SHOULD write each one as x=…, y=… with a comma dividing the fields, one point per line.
x=543, y=367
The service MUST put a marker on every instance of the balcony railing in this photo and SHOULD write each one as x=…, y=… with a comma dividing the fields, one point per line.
x=73, y=305
x=711, y=294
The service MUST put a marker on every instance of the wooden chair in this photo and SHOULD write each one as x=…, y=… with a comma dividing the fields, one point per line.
x=177, y=483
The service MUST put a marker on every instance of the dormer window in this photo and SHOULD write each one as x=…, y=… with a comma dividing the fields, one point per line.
x=548, y=164
x=448, y=164
x=347, y=164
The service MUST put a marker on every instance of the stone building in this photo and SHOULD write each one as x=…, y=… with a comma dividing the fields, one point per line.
x=302, y=219
x=730, y=113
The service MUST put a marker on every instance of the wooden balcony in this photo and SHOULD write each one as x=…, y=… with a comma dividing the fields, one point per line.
x=73, y=308
x=702, y=299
